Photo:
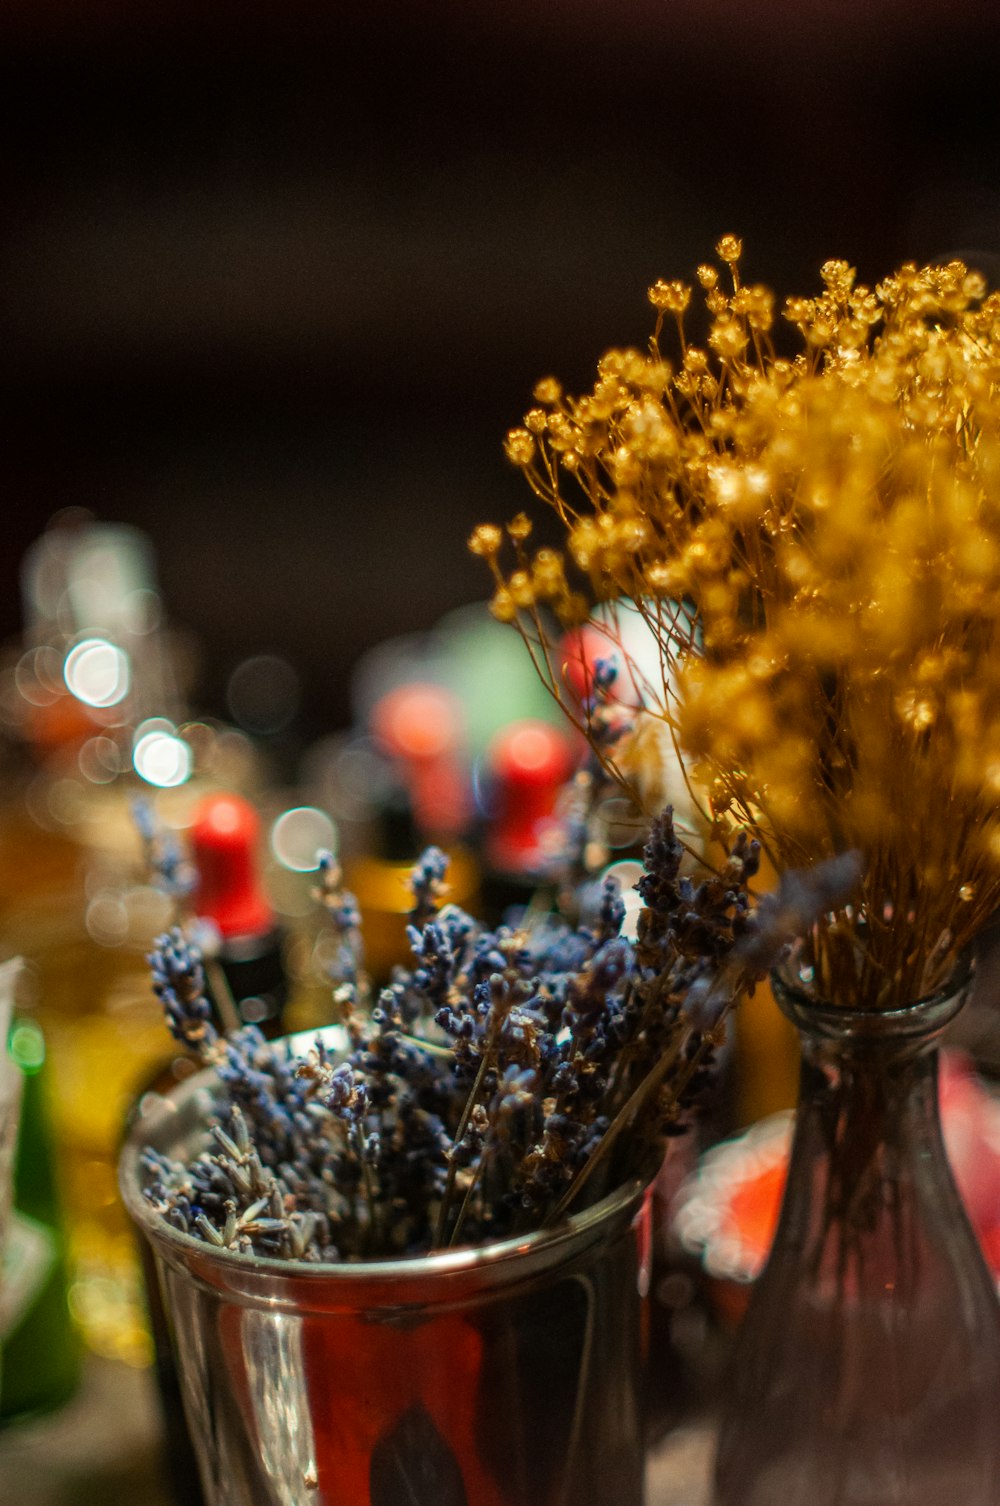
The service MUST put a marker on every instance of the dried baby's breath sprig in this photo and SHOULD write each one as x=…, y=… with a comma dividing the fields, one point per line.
x=814, y=543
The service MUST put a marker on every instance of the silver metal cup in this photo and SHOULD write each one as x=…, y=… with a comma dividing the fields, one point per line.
x=505, y=1375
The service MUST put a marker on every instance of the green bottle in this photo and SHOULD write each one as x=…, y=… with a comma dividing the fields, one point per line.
x=40, y=1364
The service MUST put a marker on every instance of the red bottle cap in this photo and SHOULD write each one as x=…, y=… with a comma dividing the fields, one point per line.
x=225, y=836
x=528, y=763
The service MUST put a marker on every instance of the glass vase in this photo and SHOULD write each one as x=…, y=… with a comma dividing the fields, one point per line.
x=867, y=1370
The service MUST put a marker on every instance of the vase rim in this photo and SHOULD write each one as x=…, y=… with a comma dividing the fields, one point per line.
x=172, y=1119
x=920, y=1018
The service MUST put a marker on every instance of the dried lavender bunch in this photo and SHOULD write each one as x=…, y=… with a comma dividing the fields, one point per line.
x=501, y=1080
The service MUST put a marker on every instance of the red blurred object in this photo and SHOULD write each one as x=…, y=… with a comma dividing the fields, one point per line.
x=528, y=763
x=420, y=726
x=580, y=650
x=63, y=722
x=225, y=838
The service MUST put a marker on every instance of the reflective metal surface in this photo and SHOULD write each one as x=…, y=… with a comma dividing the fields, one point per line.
x=507, y=1375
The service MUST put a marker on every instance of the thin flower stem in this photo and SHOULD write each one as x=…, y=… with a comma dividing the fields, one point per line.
x=466, y=1203
x=370, y=1197
x=222, y=995
x=627, y=1056
x=463, y=1124
x=624, y=1118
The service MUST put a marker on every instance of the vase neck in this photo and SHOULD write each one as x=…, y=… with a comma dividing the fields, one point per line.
x=868, y=1129
x=877, y=1101
x=828, y=1029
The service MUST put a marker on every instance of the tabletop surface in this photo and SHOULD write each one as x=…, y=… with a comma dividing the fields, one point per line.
x=103, y=1449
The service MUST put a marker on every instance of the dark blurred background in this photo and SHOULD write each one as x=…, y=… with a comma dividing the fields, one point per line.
x=277, y=276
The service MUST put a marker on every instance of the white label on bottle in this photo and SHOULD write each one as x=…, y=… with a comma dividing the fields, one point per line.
x=28, y=1258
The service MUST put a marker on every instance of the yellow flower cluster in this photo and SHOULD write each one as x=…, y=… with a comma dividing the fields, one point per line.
x=830, y=520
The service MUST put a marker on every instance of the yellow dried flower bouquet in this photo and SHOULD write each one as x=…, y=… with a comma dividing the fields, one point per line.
x=812, y=535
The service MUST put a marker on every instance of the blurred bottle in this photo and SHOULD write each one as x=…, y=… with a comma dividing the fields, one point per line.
x=93, y=694
x=419, y=727
x=484, y=665
x=93, y=623
x=225, y=840
x=10, y=1102
x=10, y=1109
x=245, y=974
x=425, y=799
x=526, y=767
x=41, y=1350
x=379, y=880
x=238, y=932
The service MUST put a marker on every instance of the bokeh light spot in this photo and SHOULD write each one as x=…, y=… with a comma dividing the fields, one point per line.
x=97, y=672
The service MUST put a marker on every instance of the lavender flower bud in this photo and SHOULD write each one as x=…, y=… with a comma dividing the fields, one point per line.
x=179, y=984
